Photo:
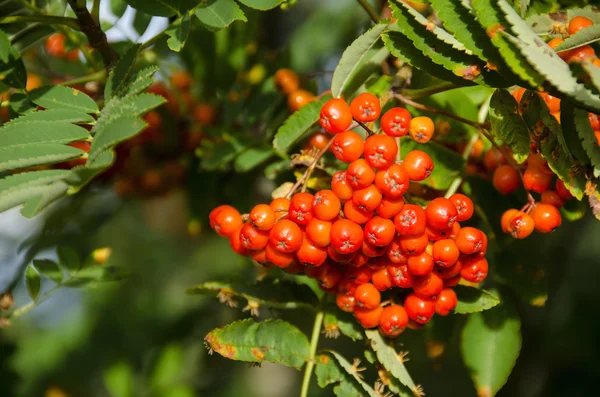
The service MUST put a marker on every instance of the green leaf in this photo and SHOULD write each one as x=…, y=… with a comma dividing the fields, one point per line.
x=552, y=145
x=132, y=105
x=80, y=176
x=118, y=7
x=55, y=115
x=508, y=126
x=472, y=300
x=35, y=205
x=4, y=47
x=178, y=32
x=336, y=321
x=33, y=282
x=573, y=210
x=402, y=48
x=12, y=71
x=61, y=97
x=162, y=8
x=272, y=340
x=253, y=157
x=352, y=57
x=448, y=163
x=585, y=36
x=349, y=368
x=298, y=124
x=490, y=345
x=20, y=104
x=270, y=293
x=16, y=157
x=48, y=268
x=391, y=360
x=572, y=120
x=37, y=132
x=218, y=14
x=139, y=81
x=119, y=78
x=261, y=4
x=68, y=258
x=491, y=18
x=462, y=64
x=119, y=380
x=141, y=21
x=545, y=61
x=16, y=189
x=587, y=137
x=113, y=132
x=328, y=372
x=368, y=66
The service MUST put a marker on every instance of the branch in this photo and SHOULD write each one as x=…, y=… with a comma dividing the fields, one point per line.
x=96, y=10
x=310, y=169
x=96, y=37
x=365, y=4
x=314, y=341
x=46, y=19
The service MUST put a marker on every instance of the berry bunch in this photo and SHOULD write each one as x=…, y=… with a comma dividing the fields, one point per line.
x=55, y=46
x=580, y=54
x=289, y=84
x=360, y=238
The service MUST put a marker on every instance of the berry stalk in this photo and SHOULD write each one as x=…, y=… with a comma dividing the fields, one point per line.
x=310, y=364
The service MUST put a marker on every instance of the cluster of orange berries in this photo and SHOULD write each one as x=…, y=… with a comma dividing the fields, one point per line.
x=579, y=54
x=360, y=238
x=288, y=82
x=55, y=46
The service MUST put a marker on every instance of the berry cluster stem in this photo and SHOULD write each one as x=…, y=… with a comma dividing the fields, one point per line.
x=45, y=19
x=314, y=341
x=304, y=178
x=370, y=10
x=366, y=128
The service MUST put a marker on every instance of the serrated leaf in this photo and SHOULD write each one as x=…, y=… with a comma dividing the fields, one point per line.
x=270, y=293
x=218, y=14
x=389, y=358
x=61, y=97
x=261, y=4
x=328, y=372
x=492, y=20
x=252, y=158
x=552, y=145
x=68, y=258
x=353, y=56
x=508, y=126
x=336, y=320
x=55, y=115
x=20, y=104
x=4, y=47
x=271, y=340
x=80, y=176
x=17, y=189
x=545, y=61
x=178, y=32
x=48, y=268
x=16, y=157
x=139, y=81
x=298, y=124
x=589, y=12
x=490, y=345
x=38, y=132
x=162, y=8
x=402, y=48
x=582, y=37
x=132, y=105
x=571, y=121
x=32, y=282
x=35, y=205
x=118, y=79
x=369, y=65
x=466, y=66
x=471, y=300
x=448, y=163
x=113, y=132
x=346, y=366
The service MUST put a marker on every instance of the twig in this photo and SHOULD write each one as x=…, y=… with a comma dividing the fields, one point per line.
x=95, y=35
x=96, y=10
x=372, y=13
x=85, y=79
x=310, y=364
x=309, y=170
x=46, y=19
x=366, y=128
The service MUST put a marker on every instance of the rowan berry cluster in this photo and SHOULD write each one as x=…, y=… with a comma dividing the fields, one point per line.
x=360, y=238
x=288, y=83
x=580, y=54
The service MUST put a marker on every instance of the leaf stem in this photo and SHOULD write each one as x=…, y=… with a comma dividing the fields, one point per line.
x=309, y=170
x=96, y=11
x=34, y=303
x=46, y=19
x=153, y=40
x=427, y=91
x=99, y=75
x=314, y=341
x=370, y=10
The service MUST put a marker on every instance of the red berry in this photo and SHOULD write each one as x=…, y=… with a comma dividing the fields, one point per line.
x=367, y=296
x=367, y=199
x=418, y=165
x=441, y=214
x=396, y=122
x=335, y=116
x=520, y=225
x=368, y=318
x=413, y=245
x=474, y=268
x=311, y=254
x=380, y=151
x=562, y=190
x=469, y=240
x=348, y=146
x=393, y=320
x=390, y=207
x=445, y=253
x=236, y=243
x=301, y=208
x=494, y=158
x=225, y=220
x=253, y=238
x=285, y=236
x=546, y=218
x=506, y=179
x=411, y=221
x=353, y=213
x=395, y=254
x=319, y=232
x=577, y=23
x=318, y=140
x=536, y=180
x=400, y=276
x=418, y=309
x=506, y=217
x=346, y=236
x=379, y=231
x=392, y=182
x=262, y=217
x=372, y=251
x=421, y=129
x=464, y=206
x=381, y=279
x=365, y=108
x=280, y=205
x=278, y=258
x=287, y=81
x=427, y=286
x=345, y=302
x=340, y=186
x=326, y=205
x=553, y=198
x=420, y=265
x=360, y=174
x=446, y=301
